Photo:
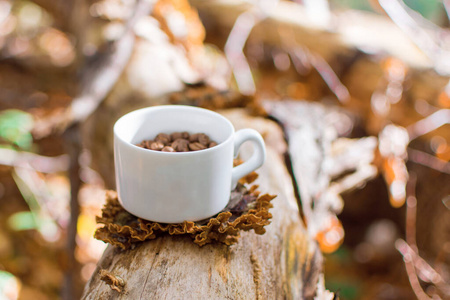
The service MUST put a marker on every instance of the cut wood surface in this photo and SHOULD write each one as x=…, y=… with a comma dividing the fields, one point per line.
x=284, y=263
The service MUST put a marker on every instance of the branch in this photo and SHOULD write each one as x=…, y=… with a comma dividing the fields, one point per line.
x=234, y=51
x=343, y=38
x=234, y=47
x=402, y=247
x=98, y=78
x=431, y=39
x=303, y=59
x=428, y=160
x=428, y=124
x=447, y=7
x=325, y=71
x=38, y=197
x=73, y=143
x=411, y=211
x=410, y=244
x=330, y=78
x=416, y=267
x=428, y=274
x=43, y=164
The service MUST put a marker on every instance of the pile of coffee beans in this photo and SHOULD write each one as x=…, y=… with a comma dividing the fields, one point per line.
x=178, y=142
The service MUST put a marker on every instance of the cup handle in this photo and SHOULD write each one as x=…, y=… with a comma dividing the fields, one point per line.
x=255, y=161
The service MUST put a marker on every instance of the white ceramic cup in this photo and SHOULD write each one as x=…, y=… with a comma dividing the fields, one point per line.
x=171, y=187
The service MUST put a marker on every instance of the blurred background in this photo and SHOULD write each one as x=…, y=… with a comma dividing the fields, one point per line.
x=70, y=68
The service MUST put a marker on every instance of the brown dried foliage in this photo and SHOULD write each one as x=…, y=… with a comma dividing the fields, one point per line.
x=251, y=211
x=116, y=283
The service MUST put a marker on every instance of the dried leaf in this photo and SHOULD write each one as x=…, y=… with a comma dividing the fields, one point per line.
x=122, y=229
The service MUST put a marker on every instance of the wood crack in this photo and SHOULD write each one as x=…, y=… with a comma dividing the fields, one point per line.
x=256, y=275
x=288, y=164
x=157, y=250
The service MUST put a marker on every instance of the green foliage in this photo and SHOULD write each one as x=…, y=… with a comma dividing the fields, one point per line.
x=346, y=284
x=33, y=220
x=36, y=218
x=354, y=4
x=23, y=220
x=348, y=288
x=430, y=9
x=15, y=128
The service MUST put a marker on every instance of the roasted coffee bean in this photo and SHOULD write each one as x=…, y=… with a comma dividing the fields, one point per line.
x=203, y=139
x=178, y=142
x=194, y=138
x=145, y=144
x=176, y=135
x=156, y=146
x=167, y=149
x=180, y=145
x=163, y=138
x=148, y=143
x=196, y=146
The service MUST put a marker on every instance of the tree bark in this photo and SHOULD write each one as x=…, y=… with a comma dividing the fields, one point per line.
x=284, y=263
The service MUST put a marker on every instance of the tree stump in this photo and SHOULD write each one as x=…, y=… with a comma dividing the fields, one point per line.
x=284, y=263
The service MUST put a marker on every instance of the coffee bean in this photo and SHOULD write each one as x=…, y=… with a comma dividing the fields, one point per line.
x=167, y=149
x=178, y=142
x=203, y=139
x=196, y=146
x=176, y=135
x=194, y=138
x=156, y=146
x=180, y=145
x=147, y=144
x=163, y=138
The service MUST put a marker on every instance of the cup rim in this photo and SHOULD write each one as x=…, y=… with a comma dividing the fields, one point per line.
x=172, y=107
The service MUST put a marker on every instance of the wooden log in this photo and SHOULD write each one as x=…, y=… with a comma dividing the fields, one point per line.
x=335, y=39
x=318, y=155
x=284, y=263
